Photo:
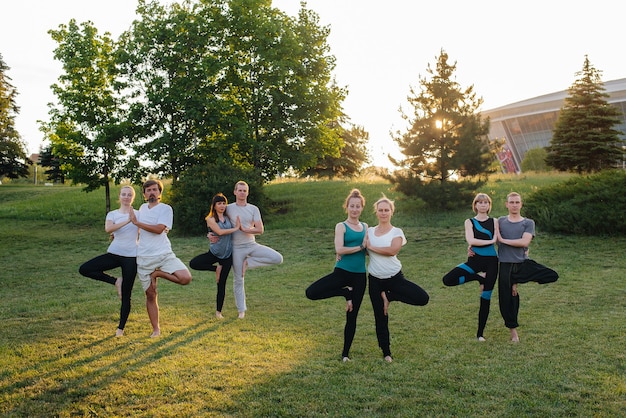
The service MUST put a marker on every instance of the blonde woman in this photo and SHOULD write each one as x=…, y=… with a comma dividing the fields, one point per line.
x=481, y=233
x=122, y=253
x=386, y=281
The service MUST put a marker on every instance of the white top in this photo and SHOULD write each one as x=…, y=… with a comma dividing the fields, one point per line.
x=151, y=244
x=124, y=239
x=248, y=214
x=384, y=266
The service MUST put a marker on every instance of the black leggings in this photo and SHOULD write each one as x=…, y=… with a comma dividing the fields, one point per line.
x=96, y=267
x=206, y=262
x=467, y=272
x=336, y=284
x=396, y=288
x=512, y=273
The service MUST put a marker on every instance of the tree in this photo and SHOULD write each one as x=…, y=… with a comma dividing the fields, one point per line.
x=173, y=58
x=13, y=160
x=584, y=140
x=446, y=139
x=52, y=162
x=535, y=160
x=234, y=82
x=352, y=156
x=87, y=129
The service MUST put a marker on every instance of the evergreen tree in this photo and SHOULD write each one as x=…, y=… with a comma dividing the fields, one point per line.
x=446, y=140
x=52, y=162
x=584, y=138
x=13, y=160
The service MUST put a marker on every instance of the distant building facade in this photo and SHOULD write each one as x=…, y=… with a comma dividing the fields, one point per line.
x=529, y=124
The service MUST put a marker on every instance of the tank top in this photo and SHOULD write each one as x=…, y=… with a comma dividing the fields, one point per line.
x=354, y=263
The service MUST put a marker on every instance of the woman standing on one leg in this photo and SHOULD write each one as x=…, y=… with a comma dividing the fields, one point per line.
x=221, y=251
x=122, y=253
x=348, y=278
x=386, y=281
x=481, y=235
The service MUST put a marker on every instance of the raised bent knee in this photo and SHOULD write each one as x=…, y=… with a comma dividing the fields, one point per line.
x=183, y=276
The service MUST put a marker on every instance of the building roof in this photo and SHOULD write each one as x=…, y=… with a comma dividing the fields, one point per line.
x=616, y=89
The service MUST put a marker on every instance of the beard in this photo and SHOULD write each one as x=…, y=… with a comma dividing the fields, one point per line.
x=152, y=198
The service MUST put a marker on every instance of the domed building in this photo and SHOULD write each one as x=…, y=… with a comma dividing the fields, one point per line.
x=529, y=124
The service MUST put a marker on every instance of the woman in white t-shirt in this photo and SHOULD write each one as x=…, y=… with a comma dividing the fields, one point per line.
x=122, y=253
x=386, y=281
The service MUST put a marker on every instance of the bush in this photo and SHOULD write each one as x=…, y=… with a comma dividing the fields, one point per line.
x=535, y=160
x=586, y=205
x=191, y=196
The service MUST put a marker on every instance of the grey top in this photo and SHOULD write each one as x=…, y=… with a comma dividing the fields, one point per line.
x=513, y=230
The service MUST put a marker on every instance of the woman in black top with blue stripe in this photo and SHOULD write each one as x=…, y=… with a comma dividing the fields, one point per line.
x=482, y=265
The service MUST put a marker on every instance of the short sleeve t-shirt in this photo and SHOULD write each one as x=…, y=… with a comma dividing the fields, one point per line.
x=248, y=215
x=513, y=230
x=151, y=244
x=124, y=239
x=384, y=266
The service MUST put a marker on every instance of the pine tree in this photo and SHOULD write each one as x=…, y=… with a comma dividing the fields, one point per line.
x=584, y=140
x=445, y=146
x=13, y=160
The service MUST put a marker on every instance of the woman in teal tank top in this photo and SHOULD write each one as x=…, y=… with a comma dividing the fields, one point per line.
x=348, y=279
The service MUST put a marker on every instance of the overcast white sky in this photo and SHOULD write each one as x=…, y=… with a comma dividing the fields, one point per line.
x=508, y=50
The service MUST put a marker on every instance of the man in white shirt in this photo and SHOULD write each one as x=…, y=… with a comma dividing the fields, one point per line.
x=155, y=257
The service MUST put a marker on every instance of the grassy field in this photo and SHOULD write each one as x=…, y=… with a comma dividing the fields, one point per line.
x=59, y=358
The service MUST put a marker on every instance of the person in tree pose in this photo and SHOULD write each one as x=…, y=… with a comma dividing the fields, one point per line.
x=482, y=265
x=514, y=236
x=122, y=253
x=386, y=281
x=220, y=252
x=348, y=279
x=155, y=257
x=247, y=253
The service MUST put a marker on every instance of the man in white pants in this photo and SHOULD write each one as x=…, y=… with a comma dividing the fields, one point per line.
x=247, y=253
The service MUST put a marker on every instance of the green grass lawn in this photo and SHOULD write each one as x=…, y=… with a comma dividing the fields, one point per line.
x=58, y=355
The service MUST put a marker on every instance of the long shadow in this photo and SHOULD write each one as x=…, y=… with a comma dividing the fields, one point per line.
x=99, y=377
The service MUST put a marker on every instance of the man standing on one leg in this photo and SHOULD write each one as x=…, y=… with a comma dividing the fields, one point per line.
x=154, y=252
x=247, y=253
x=514, y=236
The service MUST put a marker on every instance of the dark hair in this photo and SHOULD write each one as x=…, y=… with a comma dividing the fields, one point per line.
x=217, y=198
x=152, y=182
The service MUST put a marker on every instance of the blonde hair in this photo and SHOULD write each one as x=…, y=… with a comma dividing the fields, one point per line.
x=242, y=183
x=513, y=194
x=481, y=197
x=386, y=200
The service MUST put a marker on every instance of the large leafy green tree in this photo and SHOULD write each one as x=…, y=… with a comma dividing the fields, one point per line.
x=280, y=78
x=584, y=138
x=446, y=140
x=13, y=160
x=173, y=59
x=86, y=128
x=231, y=82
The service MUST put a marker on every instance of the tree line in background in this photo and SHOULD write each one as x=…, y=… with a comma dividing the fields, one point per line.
x=236, y=88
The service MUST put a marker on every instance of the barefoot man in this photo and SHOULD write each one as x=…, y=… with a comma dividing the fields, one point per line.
x=155, y=257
